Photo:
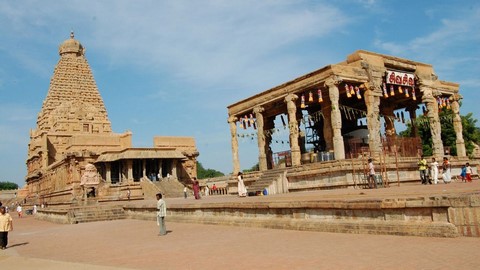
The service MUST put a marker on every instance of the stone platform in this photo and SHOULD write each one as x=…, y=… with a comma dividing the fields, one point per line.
x=443, y=210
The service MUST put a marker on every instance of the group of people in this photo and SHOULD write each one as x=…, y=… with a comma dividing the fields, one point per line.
x=429, y=172
x=197, y=190
x=466, y=173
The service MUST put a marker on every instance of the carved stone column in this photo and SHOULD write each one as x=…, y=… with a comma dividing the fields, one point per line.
x=174, y=169
x=327, y=124
x=160, y=173
x=457, y=126
x=130, y=170
x=387, y=111
x=372, y=100
x=269, y=124
x=432, y=114
x=233, y=137
x=413, y=117
x=336, y=119
x=293, y=126
x=262, y=157
x=108, y=174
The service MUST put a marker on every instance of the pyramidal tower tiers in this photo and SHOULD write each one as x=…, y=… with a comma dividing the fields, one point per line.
x=73, y=102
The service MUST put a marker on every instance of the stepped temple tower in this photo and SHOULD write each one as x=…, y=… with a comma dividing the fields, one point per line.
x=73, y=132
x=347, y=110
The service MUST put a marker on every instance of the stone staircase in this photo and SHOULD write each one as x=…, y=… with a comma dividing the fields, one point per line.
x=268, y=180
x=170, y=188
x=92, y=213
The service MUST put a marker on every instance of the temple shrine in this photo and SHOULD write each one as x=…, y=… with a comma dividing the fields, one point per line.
x=73, y=151
x=347, y=110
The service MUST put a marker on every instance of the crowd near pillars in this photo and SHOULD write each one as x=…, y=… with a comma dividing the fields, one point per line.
x=262, y=157
x=293, y=126
x=457, y=126
x=233, y=133
x=434, y=120
x=336, y=119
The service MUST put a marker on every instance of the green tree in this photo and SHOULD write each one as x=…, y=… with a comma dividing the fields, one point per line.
x=8, y=186
x=471, y=133
x=203, y=173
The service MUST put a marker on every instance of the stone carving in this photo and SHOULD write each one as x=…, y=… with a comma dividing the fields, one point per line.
x=90, y=181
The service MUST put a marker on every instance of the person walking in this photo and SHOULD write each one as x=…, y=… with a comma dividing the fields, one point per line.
x=161, y=213
x=6, y=225
x=185, y=192
x=196, y=188
x=468, y=171
x=19, y=210
x=371, y=174
x=422, y=167
x=447, y=178
x=434, y=170
x=242, y=190
x=463, y=173
x=207, y=191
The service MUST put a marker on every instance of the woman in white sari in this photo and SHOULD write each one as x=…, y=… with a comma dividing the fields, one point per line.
x=447, y=178
x=242, y=191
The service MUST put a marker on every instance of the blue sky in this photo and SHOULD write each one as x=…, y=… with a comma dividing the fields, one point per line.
x=172, y=67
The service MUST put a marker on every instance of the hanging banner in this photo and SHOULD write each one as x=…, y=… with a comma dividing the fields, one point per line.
x=400, y=78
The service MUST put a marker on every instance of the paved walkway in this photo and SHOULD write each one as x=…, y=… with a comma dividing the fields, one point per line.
x=134, y=244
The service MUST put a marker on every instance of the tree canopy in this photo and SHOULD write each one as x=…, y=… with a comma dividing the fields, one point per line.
x=8, y=186
x=203, y=173
x=471, y=133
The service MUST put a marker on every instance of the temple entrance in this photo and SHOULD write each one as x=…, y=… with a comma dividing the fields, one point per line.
x=151, y=169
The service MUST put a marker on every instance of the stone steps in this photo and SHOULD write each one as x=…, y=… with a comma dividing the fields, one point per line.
x=95, y=213
x=170, y=188
x=265, y=180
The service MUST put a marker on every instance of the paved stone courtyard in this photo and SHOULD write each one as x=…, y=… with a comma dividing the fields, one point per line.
x=134, y=244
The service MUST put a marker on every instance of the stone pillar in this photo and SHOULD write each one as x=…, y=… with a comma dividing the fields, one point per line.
x=108, y=173
x=130, y=169
x=336, y=119
x=457, y=126
x=293, y=127
x=327, y=124
x=232, y=121
x=372, y=100
x=160, y=173
x=412, y=111
x=174, y=169
x=388, y=112
x=262, y=157
x=269, y=124
x=144, y=168
x=432, y=113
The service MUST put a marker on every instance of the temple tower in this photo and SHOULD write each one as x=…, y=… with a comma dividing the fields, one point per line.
x=73, y=103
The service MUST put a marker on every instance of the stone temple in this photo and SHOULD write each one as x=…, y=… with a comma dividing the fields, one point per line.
x=338, y=116
x=74, y=152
